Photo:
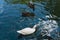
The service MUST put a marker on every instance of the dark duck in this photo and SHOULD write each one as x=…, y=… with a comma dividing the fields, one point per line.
x=27, y=14
x=31, y=5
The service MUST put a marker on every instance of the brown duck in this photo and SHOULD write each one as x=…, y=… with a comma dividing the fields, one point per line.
x=27, y=14
x=31, y=5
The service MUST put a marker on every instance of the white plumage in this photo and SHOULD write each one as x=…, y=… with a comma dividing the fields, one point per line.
x=27, y=31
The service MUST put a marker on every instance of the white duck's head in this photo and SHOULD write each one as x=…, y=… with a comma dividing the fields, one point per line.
x=36, y=25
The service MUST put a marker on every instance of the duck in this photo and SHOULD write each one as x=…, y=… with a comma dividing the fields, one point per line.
x=27, y=14
x=28, y=30
x=31, y=5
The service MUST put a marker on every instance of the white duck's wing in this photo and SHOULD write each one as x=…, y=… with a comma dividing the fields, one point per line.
x=26, y=31
x=29, y=31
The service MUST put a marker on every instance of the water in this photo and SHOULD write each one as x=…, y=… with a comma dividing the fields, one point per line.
x=11, y=21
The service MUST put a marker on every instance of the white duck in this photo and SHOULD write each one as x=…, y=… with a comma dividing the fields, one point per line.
x=27, y=31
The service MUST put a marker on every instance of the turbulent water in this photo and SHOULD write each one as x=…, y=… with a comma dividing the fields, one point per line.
x=11, y=21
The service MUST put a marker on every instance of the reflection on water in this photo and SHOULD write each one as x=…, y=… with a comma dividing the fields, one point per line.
x=11, y=21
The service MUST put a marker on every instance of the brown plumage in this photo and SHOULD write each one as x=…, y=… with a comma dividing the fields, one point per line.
x=28, y=14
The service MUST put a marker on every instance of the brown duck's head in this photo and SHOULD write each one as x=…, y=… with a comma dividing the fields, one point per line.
x=31, y=6
x=28, y=14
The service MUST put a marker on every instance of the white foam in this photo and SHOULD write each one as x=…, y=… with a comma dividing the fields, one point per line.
x=47, y=16
x=50, y=25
